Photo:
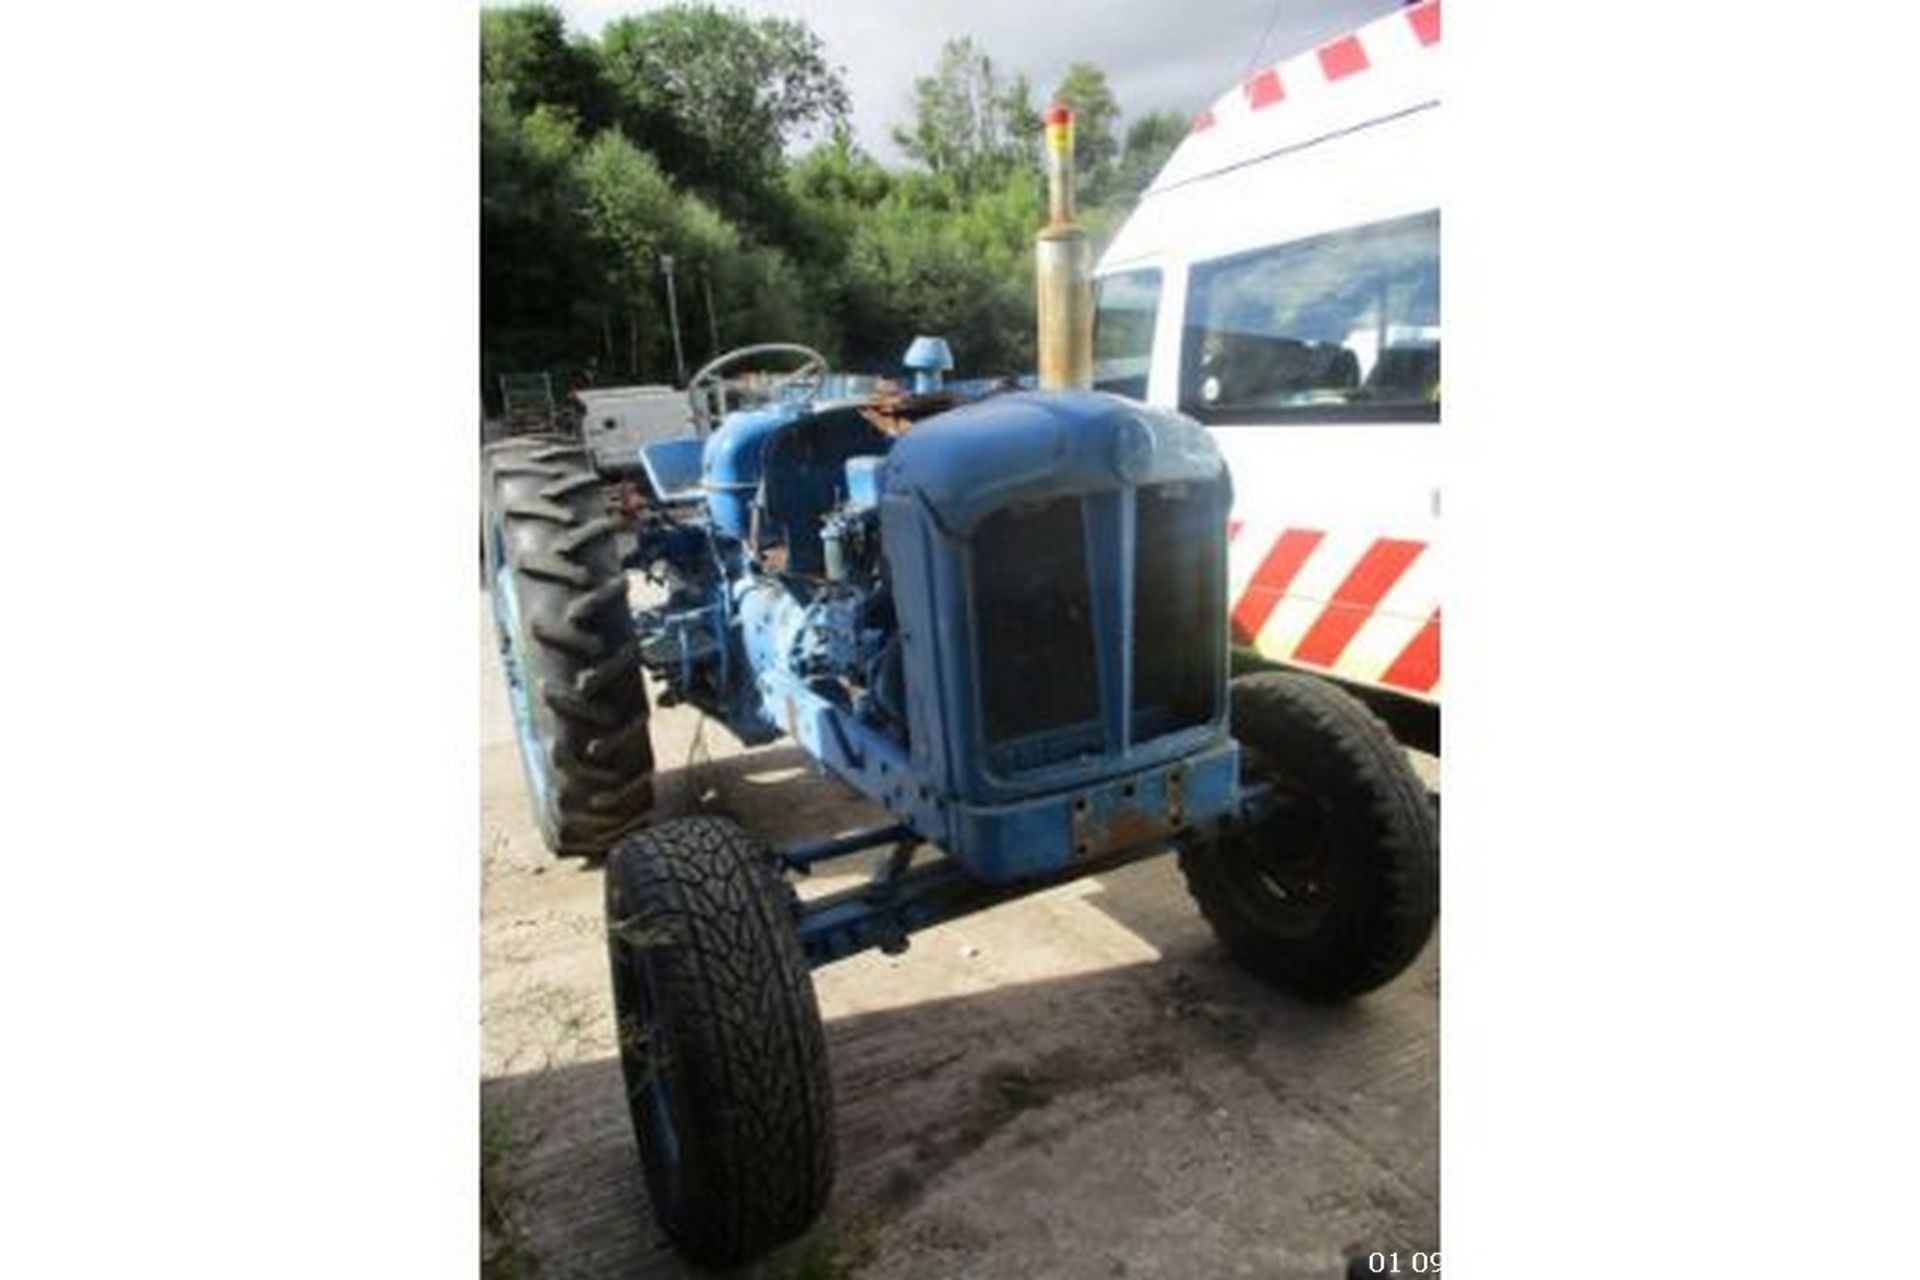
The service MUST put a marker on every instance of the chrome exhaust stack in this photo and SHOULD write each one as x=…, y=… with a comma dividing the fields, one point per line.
x=1063, y=270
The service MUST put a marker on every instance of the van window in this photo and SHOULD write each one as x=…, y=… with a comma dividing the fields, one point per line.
x=1343, y=326
x=1124, y=309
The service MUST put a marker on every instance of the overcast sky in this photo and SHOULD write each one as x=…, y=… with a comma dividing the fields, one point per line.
x=1173, y=54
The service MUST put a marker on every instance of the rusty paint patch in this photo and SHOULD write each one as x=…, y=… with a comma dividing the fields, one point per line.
x=1128, y=828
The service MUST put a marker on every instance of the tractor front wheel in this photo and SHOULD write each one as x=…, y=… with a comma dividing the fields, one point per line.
x=721, y=1048
x=1335, y=891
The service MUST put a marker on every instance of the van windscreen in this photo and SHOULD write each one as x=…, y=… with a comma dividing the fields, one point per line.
x=1125, y=306
x=1343, y=326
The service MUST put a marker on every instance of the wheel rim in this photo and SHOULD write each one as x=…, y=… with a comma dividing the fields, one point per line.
x=1286, y=866
x=645, y=1059
x=511, y=632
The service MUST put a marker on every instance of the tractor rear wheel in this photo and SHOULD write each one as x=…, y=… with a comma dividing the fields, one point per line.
x=566, y=643
x=1336, y=891
x=721, y=1048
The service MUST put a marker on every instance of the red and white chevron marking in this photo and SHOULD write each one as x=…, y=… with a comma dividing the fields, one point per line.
x=1365, y=608
x=1395, y=36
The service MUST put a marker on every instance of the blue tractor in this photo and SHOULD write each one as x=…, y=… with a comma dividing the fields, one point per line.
x=1001, y=615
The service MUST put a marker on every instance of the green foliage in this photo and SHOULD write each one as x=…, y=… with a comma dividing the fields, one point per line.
x=1150, y=142
x=633, y=211
x=967, y=275
x=674, y=134
x=716, y=95
x=1084, y=88
x=967, y=122
x=837, y=172
x=827, y=191
x=503, y=1247
x=525, y=52
x=536, y=260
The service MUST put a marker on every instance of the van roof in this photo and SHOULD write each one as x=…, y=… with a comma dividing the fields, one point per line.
x=1385, y=68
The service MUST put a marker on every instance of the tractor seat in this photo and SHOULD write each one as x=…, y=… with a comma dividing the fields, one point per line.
x=673, y=469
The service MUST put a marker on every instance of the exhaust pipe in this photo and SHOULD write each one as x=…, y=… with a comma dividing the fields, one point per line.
x=1063, y=270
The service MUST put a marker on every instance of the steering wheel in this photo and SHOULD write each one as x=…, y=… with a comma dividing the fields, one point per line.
x=712, y=377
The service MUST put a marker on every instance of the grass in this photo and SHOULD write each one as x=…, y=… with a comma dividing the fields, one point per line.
x=830, y=1252
x=503, y=1249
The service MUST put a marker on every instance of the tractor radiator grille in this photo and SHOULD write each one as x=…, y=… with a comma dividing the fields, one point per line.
x=1035, y=598
x=1179, y=606
x=1039, y=670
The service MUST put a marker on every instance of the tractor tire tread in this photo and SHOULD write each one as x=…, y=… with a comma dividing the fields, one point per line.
x=589, y=603
x=520, y=466
x=558, y=569
x=1316, y=727
x=570, y=543
x=589, y=698
x=541, y=509
x=760, y=1146
x=575, y=639
x=560, y=490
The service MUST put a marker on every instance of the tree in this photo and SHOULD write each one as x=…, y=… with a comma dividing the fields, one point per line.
x=1150, y=142
x=630, y=209
x=526, y=53
x=967, y=123
x=1024, y=125
x=1084, y=88
x=537, y=274
x=671, y=136
x=716, y=96
x=829, y=190
x=964, y=272
x=636, y=215
x=838, y=172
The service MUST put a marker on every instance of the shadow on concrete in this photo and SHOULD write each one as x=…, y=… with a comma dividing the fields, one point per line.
x=776, y=792
x=1169, y=1118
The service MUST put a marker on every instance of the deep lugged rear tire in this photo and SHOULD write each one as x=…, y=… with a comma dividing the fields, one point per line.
x=721, y=1047
x=1338, y=892
x=567, y=643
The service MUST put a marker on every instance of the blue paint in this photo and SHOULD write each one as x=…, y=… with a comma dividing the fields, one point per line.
x=943, y=481
x=663, y=1124
x=893, y=604
x=809, y=852
x=674, y=466
x=655, y=1088
x=804, y=480
x=928, y=359
x=730, y=464
x=1005, y=809
x=863, y=479
x=513, y=639
x=1024, y=446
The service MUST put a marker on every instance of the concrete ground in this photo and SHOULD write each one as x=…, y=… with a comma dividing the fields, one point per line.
x=1076, y=1084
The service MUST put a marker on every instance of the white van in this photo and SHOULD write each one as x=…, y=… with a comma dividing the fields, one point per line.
x=1280, y=282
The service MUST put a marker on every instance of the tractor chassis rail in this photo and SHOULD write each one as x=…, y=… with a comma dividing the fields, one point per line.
x=900, y=898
